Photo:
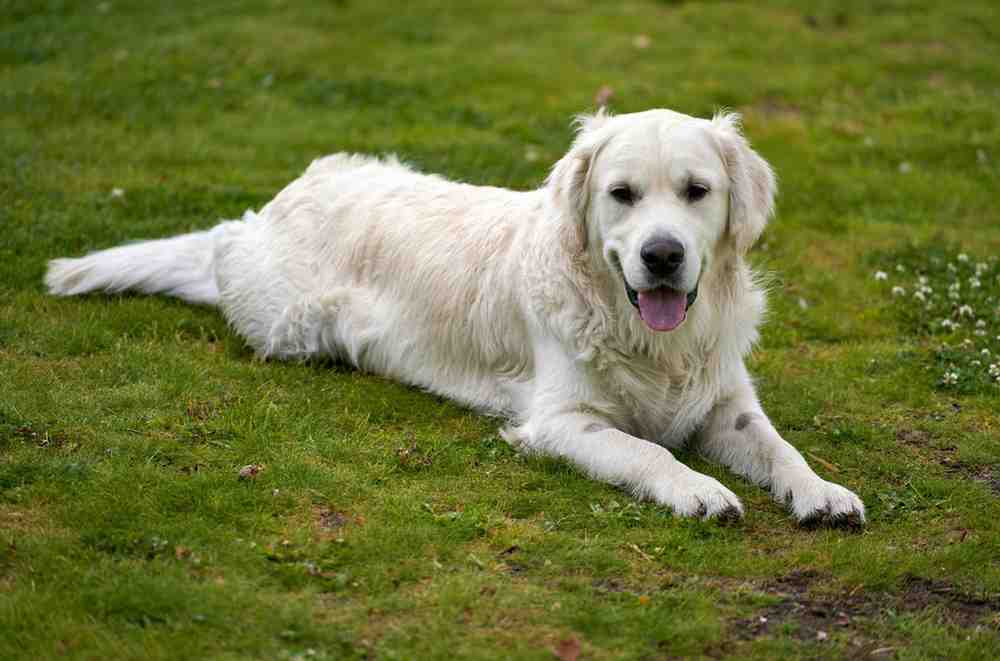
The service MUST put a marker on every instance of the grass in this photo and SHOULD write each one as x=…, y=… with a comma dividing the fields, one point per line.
x=388, y=523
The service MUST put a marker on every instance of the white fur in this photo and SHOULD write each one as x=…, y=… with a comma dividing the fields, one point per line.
x=514, y=302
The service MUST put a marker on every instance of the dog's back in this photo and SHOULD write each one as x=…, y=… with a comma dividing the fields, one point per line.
x=364, y=259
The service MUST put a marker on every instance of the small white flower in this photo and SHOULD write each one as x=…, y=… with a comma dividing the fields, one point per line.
x=898, y=291
x=919, y=295
x=974, y=283
x=900, y=268
x=954, y=295
x=955, y=286
x=981, y=267
x=952, y=267
x=922, y=279
x=966, y=311
x=981, y=323
x=966, y=344
x=881, y=275
x=962, y=257
x=950, y=378
x=117, y=192
x=985, y=352
x=975, y=363
x=905, y=167
x=979, y=332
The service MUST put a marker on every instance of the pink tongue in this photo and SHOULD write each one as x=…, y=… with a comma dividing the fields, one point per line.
x=663, y=309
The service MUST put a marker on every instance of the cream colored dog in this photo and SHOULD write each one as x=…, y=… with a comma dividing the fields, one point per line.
x=606, y=314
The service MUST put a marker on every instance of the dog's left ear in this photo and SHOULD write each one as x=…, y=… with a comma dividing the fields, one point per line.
x=752, y=185
x=569, y=181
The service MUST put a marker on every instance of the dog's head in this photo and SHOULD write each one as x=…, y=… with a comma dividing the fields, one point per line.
x=657, y=196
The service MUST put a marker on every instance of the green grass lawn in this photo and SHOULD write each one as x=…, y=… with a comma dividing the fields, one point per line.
x=387, y=523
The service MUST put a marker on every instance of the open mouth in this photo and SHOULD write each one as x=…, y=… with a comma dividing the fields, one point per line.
x=662, y=308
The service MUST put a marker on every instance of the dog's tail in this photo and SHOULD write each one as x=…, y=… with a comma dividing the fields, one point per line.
x=181, y=266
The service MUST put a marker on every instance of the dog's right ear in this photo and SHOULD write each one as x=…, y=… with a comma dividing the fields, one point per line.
x=569, y=181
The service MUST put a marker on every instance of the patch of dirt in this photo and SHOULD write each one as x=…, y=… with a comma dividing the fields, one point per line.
x=922, y=443
x=915, y=437
x=818, y=616
x=797, y=582
x=984, y=474
x=955, y=606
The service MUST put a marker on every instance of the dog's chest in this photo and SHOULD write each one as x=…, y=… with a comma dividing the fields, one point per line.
x=663, y=402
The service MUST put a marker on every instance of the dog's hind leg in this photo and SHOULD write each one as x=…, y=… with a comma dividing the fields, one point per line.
x=336, y=325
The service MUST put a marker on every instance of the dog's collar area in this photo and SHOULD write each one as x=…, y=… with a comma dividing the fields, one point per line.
x=633, y=296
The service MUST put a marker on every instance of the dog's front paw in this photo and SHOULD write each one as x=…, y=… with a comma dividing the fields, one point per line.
x=816, y=502
x=697, y=495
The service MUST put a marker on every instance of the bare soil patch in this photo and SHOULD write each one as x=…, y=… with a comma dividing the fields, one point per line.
x=816, y=616
x=922, y=442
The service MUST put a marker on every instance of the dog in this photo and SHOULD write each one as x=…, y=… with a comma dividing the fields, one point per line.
x=606, y=315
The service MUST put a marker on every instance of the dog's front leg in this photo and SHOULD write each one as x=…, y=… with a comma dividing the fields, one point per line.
x=608, y=454
x=739, y=435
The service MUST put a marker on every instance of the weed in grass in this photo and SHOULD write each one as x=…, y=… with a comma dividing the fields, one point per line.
x=953, y=299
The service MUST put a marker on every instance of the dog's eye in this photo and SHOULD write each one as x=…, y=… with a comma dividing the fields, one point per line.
x=623, y=194
x=695, y=192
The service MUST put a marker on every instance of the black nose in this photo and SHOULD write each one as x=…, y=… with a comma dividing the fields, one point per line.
x=662, y=256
